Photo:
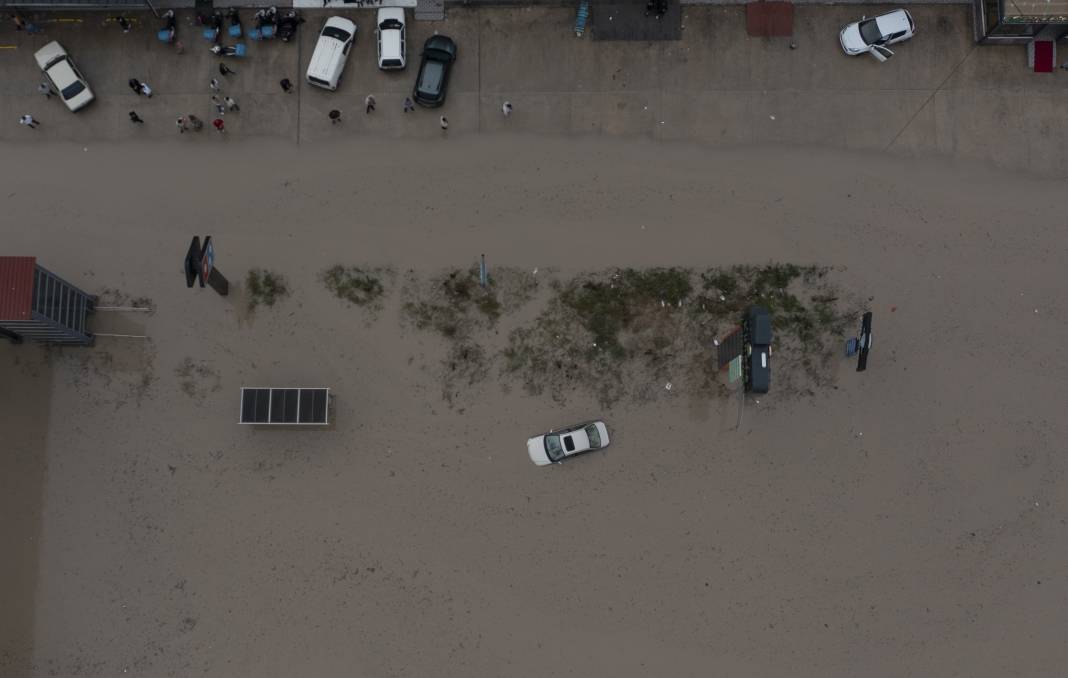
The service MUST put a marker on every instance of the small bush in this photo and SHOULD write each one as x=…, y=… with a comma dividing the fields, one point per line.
x=667, y=284
x=264, y=287
x=353, y=284
x=602, y=308
x=723, y=281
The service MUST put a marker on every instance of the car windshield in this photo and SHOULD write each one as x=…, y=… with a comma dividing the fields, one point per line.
x=335, y=32
x=72, y=90
x=390, y=24
x=869, y=32
x=594, y=435
x=430, y=83
x=552, y=448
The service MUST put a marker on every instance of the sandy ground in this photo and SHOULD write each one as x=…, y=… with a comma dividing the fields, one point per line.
x=909, y=520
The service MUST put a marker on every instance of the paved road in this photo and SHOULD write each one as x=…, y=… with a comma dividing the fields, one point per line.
x=715, y=86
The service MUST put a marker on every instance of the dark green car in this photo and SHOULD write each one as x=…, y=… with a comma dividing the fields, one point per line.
x=757, y=336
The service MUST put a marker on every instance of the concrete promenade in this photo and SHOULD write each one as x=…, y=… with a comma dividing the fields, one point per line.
x=940, y=94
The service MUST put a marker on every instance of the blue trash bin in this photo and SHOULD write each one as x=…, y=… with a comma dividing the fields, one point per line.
x=851, y=347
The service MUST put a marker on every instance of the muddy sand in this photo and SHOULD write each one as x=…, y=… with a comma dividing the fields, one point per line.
x=908, y=520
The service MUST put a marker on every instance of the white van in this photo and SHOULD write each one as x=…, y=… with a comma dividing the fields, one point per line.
x=331, y=52
x=392, y=51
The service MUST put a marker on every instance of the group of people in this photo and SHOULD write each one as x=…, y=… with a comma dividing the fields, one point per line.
x=409, y=105
x=189, y=122
x=224, y=103
x=140, y=89
x=22, y=25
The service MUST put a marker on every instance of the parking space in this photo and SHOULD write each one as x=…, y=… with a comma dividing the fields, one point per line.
x=715, y=85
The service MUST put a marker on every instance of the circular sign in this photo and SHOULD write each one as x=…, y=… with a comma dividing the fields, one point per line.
x=207, y=259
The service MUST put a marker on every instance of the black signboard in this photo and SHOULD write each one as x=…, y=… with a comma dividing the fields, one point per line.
x=864, y=342
x=192, y=263
x=200, y=266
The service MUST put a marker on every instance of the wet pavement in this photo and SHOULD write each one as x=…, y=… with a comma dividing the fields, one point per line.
x=716, y=85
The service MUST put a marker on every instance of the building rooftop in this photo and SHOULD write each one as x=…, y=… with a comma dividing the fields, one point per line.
x=1044, y=9
x=16, y=287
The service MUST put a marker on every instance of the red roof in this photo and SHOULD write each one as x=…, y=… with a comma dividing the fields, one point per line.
x=16, y=287
x=769, y=19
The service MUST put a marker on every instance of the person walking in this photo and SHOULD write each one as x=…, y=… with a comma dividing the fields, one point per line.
x=231, y=104
x=45, y=89
x=335, y=116
x=219, y=107
x=225, y=70
x=444, y=123
x=214, y=84
x=287, y=86
x=182, y=127
x=507, y=108
x=146, y=90
x=409, y=105
x=28, y=121
x=195, y=122
x=135, y=85
x=219, y=124
x=123, y=24
x=134, y=117
x=369, y=104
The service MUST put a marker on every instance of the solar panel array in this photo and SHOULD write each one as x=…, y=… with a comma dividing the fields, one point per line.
x=285, y=405
x=730, y=347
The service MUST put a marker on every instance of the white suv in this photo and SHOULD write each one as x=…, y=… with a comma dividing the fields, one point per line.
x=331, y=52
x=392, y=51
x=64, y=76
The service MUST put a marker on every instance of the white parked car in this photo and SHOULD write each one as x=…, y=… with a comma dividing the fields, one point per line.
x=331, y=52
x=555, y=446
x=64, y=76
x=873, y=35
x=392, y=45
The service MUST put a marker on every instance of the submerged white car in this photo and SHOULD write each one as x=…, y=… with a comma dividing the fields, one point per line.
x=873, y=35
x=556, y=446
x=65, y=77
